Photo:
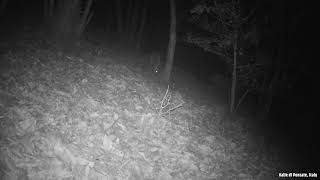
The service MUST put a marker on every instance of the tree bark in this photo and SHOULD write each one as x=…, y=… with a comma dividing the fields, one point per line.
x=128, y=18
x=142, y=24
x=85, y=19
x=134, y=23
x=51, y=7
x=234, y=73
x=119, y=16
x=172, y=43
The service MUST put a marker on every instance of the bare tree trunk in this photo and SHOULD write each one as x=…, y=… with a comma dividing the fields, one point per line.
x=119, y=16
x=234, y=73
x=128, y=18
x=172, y=44
x=67, y=23
x=134, y=22
x=109, y=27
x=85, y=19
x=142, y=24
x=48, y=7
x=64, y=18
x=275, y=84
x=51, y=7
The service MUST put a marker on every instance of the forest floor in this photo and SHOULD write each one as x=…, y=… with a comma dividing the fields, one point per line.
x=97, y=113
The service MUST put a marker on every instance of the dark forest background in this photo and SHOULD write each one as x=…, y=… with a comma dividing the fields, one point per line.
x=284, y=38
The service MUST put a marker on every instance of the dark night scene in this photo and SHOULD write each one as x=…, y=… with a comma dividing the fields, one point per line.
x=158, y=90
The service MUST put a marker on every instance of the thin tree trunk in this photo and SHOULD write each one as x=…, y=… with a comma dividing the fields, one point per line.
x=46, y=8
x=128, y=18
x=234, y=73
x=172, y=43
x=134, y=22
x=51, y=7
x=119, y=16
x=142, y=24
x=85, y=19
x=110, y=18
x=275, y=82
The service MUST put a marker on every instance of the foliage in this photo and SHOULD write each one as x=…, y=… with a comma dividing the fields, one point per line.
x=223, y=33
x=218, y=19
